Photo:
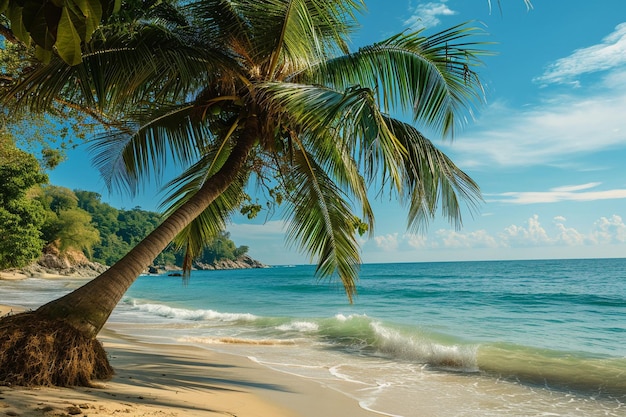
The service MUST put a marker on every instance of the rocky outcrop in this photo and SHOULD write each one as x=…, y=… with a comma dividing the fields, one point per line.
x=71, y=264
x=75, y=264
x=244, y=262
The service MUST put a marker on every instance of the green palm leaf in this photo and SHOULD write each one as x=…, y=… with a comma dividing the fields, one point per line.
x=119, y=72
x=127, y=157
x=351, y=117
x=431, y=179
x=321, y=222
x=431, y=75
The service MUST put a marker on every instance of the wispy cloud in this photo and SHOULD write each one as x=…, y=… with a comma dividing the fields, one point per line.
x=427, y=15
x=609, y=54
x=551, y=132
x=584, y=192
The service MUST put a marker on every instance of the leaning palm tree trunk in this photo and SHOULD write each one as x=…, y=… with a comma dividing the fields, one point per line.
x=55, y=345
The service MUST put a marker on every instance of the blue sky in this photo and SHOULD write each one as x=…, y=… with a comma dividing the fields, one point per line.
x=548, y=148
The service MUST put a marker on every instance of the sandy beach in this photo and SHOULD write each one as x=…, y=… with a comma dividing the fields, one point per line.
x=9, y=275
x=177, y=380
x=16, y=275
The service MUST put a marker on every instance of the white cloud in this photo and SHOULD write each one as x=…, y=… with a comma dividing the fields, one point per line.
x=581, y=192
x=387, y=243
x=561, y=126
x=567, y=235
x=427, y=15
x=531, y=234
x=609, y=54
x=416, y=241
x=609, y=230
x=572, y=188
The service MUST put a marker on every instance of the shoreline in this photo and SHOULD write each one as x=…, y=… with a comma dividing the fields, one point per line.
x=166, y=380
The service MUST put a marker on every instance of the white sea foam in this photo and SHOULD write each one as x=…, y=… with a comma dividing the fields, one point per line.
x=342, y=317
x=299, y=326
x=193, y=315
x=335, y=371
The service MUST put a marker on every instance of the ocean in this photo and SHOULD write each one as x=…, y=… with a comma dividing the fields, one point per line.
x=500, y=338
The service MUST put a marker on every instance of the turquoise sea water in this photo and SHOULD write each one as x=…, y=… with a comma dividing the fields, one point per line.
x=521, y=338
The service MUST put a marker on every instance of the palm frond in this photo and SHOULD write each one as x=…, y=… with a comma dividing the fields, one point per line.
x=352, y=117
x=219, y=20
x=337, y=160
x=274, y=30
x=320, y=222
x=431, y=179
x=430, y=76
x=121, y=70
x=155, y=65
x=127, y=157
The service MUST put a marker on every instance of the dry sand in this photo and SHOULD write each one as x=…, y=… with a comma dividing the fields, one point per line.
x=12, y=275
x=178, y=380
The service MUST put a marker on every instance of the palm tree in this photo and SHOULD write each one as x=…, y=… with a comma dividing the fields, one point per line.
x=263, y=90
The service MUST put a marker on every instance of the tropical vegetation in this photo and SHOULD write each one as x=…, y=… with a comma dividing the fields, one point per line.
x=254, y=91
x=21, y=217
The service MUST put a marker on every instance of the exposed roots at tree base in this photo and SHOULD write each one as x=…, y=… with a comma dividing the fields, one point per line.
x=37, y=351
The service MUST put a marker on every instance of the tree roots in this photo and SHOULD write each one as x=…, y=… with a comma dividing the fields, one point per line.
x=37, y=351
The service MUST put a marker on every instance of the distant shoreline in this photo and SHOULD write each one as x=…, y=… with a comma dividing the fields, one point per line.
x=51, y=266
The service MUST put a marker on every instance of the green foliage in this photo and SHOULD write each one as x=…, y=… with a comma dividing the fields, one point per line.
x=58, y=198
x=60, y=26
x=67, y=225
x=222, y=248
x=121, y=229
x=251, y=210
x=76, y=230
x=19, y=227
x=110, y=249
x=13, y=59
x=49, y=134
x=51, y=158
x=117, y=236
x=21, y=217
x=135, y=224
